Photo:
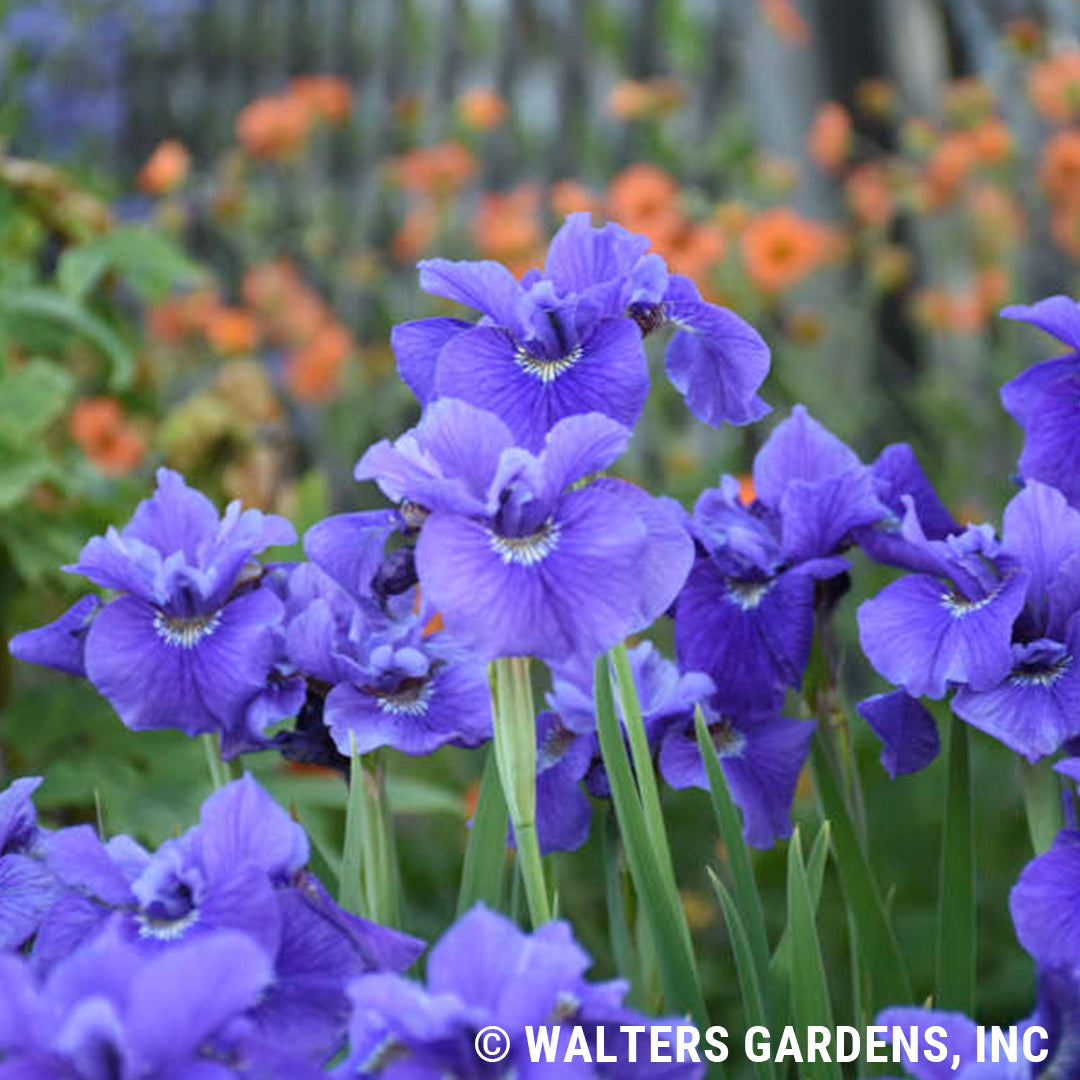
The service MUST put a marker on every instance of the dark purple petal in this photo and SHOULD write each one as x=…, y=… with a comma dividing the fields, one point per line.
x=606, y=372
x=898, y=473
x=1040, y=530
x=243, y=823
x=570, y=590
x=1021, y=396
x=907, y=731
x=1045, y=903
x=921, y=636
x=416, y=347
x=18, y=818
x=715, y=359
x=27, y=891
x=1035, y=709
x=349, y=548
x=799, y=448
x=752, y=637
x=485, y=286
x=1058, y=316
x=60, y=644
x=197, y=677
x=1052, y=447
x=452, y=706
x=818, y=517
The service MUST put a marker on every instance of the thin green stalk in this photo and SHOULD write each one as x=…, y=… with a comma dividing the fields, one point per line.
x=219, y=773
x=351, y=891
x=485, y=852
x=515, y=755
x=956, y=913
x=1042, y=803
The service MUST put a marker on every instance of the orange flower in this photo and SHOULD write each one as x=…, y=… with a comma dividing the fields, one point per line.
x=328, y=97
x=179, y=316
x=274, y=128
x=166, y=169
x=1054, y=86
x=644, y=199
x=313, y=373
x=949, y=166
x=435, y=170
x=869, y=195
x=629, y=99
x=993, y=141
x=747, y=491
x=785, y=21
x=232, y=331
x=949, y=312
x=416, y=234
x=992, y=289
x=1060, y=168
x=829, y=141
x=569, y=196
x=694, y=250
x=999, y=218
x=100, y=428
x=780, y=248
x=507, y=227
x=482, y=108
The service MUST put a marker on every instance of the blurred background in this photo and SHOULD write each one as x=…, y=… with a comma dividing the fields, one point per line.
x=210, y=215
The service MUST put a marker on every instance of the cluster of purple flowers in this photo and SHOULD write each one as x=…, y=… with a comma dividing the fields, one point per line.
x=220, y=955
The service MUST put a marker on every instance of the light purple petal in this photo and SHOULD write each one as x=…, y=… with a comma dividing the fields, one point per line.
x=1052, y=446
x=1058, y=316
x=716, y=360
x=819, y=517
x=1045, y=903
x=485, y=286
x=1022, y=394
x=799, y=448
x=349, y=548
x=27, y=891
x=918, y=635
x=416, y=347
x=153, y=681
x=578, y=446
x=18, y=818
x=960, y=1037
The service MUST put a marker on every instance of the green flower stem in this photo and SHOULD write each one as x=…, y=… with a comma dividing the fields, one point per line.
x=1042, y=802
x=515, y=755
x=218, y=769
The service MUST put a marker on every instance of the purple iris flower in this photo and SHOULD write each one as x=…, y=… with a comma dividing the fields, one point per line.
x=241, y=869
x=568, y=340
x=110, y=1010
x=189, y=642
x=563, y=811
x=746, y=614
x=27, y=887
x=1045, y=399
x=951, y=623
x=395, y=680
x=1005, y=630
x=761, y=756
x=485, y=971
x=518, y=560
x=1057, y=1012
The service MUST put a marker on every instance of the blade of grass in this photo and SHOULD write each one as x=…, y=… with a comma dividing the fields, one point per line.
x=780, y=964
x=659, y=899
x=485, y=852
x=747, y=898
x=619, y=901
x=810, y=1004
x=956, y=913
x=1042, y=803
x=351, y=891
x=754, y=1011
x=889, y=981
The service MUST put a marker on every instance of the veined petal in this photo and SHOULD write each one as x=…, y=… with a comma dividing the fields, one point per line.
x=716, y=359
x=817, y=518
x=1058, y=316
x=416, y=347
x=921, y=636
x=349, y=547
x=193, y=674
x=605, y=372
x=485, y=286
x=1052, y=444
x=569, y=590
